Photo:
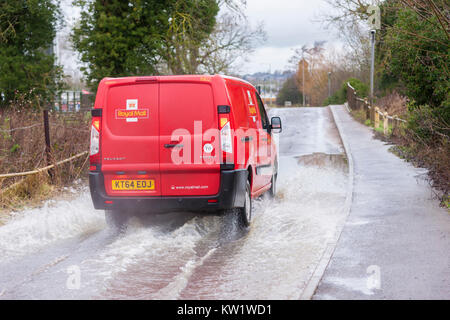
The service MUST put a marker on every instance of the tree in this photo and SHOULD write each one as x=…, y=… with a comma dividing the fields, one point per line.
x=349, y=17
x=417, y=51
x=27, y=65
x=120, y=38
x=314, y=79
x=190, y=25
x=289, y=92
x=231, y=39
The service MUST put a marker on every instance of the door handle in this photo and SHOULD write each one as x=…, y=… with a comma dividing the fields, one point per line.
x=174, y=145
x=247, y=139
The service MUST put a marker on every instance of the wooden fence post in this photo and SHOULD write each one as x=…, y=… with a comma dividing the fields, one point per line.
x=372, y=115
x=376, y=117
x=366, y=109
x=385, y=123
x=48, y=152
x=349, y=97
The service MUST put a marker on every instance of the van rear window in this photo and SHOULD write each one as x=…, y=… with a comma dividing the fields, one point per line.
x=132, y=109
x=182, y=104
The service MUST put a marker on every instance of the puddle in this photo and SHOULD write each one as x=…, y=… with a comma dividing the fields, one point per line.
x=324, y=160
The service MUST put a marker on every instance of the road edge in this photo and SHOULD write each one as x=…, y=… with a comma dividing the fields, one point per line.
x=319, y=271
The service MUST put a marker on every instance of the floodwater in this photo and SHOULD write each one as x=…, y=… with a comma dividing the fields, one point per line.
x=65, y=251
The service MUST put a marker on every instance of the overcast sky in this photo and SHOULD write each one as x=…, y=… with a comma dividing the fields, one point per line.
x=289, y=24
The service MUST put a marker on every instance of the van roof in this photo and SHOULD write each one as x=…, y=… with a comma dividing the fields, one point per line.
x=205, y=77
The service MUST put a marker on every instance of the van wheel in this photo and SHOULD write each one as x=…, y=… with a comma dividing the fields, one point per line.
x=273, y=188
x=116, y=219
x=273, y=181
x=245, y=213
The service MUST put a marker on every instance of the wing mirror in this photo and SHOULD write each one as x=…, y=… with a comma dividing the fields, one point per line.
x=275, y=125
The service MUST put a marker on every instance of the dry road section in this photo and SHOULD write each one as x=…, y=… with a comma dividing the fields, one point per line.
x=64, y=250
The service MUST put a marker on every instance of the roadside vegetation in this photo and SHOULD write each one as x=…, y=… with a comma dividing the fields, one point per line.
x=23, y=148
x=289, y=92
x=340, y=96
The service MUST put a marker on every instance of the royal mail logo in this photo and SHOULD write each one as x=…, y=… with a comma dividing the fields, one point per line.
x=129, y=114
x=132, y=113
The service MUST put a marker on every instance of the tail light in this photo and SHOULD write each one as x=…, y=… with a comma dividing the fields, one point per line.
x=226, y=138
x=94, y=151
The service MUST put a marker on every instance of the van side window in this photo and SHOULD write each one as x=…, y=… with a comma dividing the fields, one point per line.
x=262, y=112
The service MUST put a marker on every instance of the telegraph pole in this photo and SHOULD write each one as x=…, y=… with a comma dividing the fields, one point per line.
x=372, y=63
x=270, y=84
x=329, y=84
x=303, y=78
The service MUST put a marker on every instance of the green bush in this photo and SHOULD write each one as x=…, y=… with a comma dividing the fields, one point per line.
x=428, y=124
x=340, y=96
x=289, y=92
x=417, y=53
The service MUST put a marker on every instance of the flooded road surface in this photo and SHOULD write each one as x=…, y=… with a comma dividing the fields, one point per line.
x=64, y=250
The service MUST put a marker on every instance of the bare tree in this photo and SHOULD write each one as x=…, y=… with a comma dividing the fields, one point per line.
x=349, y=18
x=315, y=64
x=232, y=39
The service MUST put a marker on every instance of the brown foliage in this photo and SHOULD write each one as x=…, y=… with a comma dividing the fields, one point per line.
x=22, y=143
x=319, y=65
x=393, y=103
x=314, y=75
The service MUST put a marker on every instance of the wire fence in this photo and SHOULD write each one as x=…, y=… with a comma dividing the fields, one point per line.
x=40, y=142
x=21, y=128
x=36, y=171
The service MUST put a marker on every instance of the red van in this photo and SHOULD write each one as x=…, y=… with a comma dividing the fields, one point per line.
x=171, y=143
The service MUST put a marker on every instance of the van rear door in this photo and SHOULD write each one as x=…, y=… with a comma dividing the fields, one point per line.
x=130, y=139
x=189, y=146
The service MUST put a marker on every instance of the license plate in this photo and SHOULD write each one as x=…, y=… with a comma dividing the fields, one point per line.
x=133, y=184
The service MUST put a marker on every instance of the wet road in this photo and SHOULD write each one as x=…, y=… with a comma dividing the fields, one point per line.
x=64, y=250
x=395, y=243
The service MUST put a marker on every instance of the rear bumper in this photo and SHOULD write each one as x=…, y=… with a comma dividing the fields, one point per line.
x=231, y=195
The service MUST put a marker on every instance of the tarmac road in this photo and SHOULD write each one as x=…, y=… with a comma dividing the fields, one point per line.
x=65, y=251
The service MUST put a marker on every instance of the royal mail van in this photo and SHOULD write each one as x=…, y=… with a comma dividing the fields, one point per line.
x=180, y=143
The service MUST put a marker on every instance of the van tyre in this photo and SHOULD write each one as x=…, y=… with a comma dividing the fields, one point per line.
x=273, y=181
x=116, y=219
x=245, y=213
x=273, y=188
